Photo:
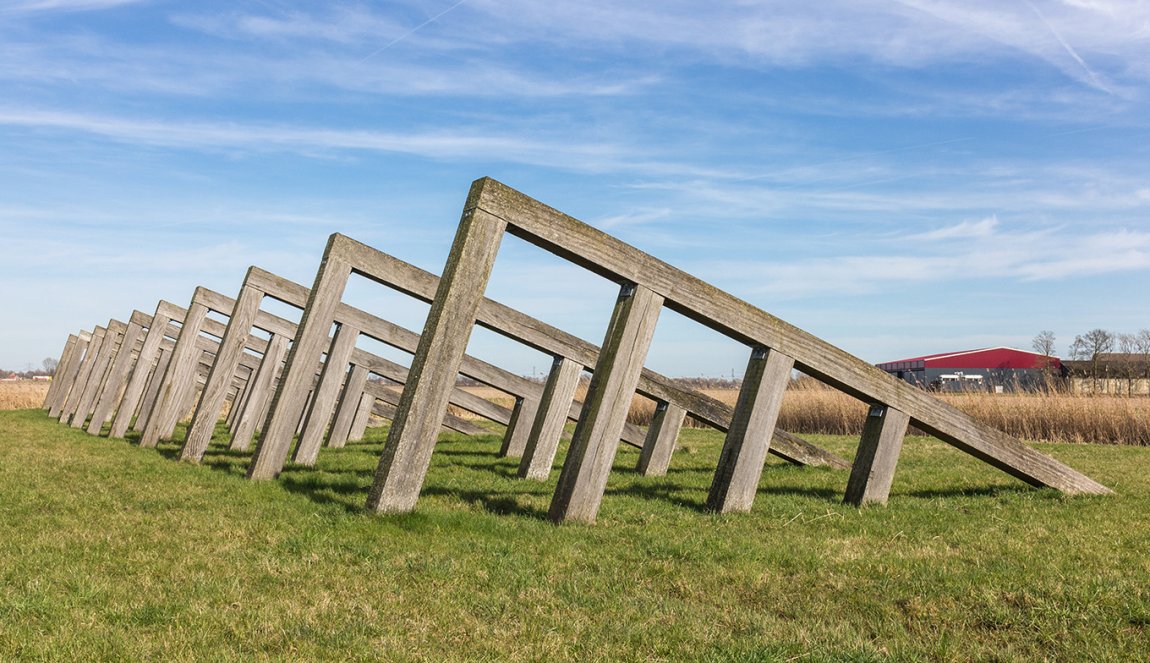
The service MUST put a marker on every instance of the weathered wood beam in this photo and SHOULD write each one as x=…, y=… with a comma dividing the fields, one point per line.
x=877, y=457
x=550, y=417
x=411, y=438
x=596, y=438
x=598, y=252
x=655, y=457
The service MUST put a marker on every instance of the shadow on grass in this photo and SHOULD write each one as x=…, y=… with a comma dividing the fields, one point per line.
x=498, y=503
x=983, y=491
x=323, y=489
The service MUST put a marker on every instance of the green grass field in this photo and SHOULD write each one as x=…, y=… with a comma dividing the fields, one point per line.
x=111, y=552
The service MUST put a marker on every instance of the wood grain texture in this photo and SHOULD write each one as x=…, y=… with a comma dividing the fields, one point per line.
x=232, y=343
x=655, y=457
x=67, y=359
x=596, y=438
x=877, y=457
x=571, y=239
x=103, y=361
x=506, y=321
x=745, y=447
x=119, y=371
x=83, y=375
x=166, y=313
x=291, y=396
x=325, y=395
x=550, y=417
x=411, y=439
x=348, y=402
x=258, y=399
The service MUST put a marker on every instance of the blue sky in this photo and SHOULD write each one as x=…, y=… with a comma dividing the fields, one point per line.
x=899, y=178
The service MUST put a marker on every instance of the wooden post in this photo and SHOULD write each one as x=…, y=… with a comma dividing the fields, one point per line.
x=325, y=394
x=67, y=358
x=362, y=417
x=256, y=406
x=152, y=392
x=149, y=354
x=69, y=374
x=108, y=351
x=291, y=397
x=519, y=428
x=877, y=457
x=235, y=336
x=118, y=373
x=592, y=450
x=83, y=376
x=547, y=429
x=749, y=437
x=178, y=379
x=348, y=402
x=403, y=464
x=655, y=456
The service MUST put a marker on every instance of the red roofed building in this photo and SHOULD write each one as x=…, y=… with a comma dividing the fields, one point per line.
x=987, y=369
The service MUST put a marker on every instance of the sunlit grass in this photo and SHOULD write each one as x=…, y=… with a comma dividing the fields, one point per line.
x=113, y=552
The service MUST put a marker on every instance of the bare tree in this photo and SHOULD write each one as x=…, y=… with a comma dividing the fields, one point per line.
x=1128, y=360
x=1089, y=347
x=1043, y=343
x=50, y=364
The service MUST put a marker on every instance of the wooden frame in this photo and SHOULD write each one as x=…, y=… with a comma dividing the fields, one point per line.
x=493, y=208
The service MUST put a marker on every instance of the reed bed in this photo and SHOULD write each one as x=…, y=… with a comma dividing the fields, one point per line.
x=1049, y=417
x=22, y=394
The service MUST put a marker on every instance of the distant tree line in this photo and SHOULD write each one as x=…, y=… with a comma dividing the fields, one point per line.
x=1101, y=355
x=47, y=367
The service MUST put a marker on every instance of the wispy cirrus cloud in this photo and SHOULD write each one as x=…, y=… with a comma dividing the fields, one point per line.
x=1016, y=256
x=29, y=6
x=266, y=137
x=964, y=230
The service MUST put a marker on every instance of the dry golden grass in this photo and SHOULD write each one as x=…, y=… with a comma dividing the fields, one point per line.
x=1051, y=417
x=22, y=394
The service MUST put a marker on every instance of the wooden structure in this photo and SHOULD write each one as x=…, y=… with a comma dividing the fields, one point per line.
x=538, y=416
x=152, y=370
x=646, y=286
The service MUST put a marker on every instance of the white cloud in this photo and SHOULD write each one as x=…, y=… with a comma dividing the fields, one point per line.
x=964, y=230
x=261, y=138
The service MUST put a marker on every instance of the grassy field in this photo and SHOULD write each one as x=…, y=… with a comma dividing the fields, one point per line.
x=112, y=552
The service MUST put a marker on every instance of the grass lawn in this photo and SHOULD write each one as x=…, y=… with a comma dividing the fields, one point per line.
x=113, y=552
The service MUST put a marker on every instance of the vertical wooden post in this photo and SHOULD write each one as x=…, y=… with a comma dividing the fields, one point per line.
x=69, y=374
x=348, y=403
x=108, y=351
x=655, y=456
x=325, y=394
x=877, y=457
x=749, y=437
x=407, y=453
x=592, y=450
x=290, y=399
x=519, y=428
x=259, y=393
x=137, y=384
x=117, y=376
x=177, y=380
x=547, y=429
x=82, y=377
x=220, y=376
x=152, y=393
x=67, y=357
x=362, y=417
x=238, y=401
